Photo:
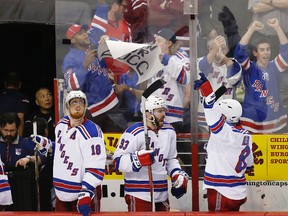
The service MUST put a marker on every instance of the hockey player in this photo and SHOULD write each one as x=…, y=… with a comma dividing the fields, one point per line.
x=229, y=151
x=263, y=111
x=132, y=158
x=176, y=74
x=5, y=190
x=79, y=159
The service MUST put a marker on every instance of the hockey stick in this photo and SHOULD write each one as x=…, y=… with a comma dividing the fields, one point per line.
x=36, y=167
x=219, y=92
x=152, y=88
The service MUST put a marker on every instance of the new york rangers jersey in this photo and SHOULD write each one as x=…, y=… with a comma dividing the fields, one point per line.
x=164, y=144
x=94, y=82
x=119, y=30
x=176, y=74
x=5, y=190
x=79, y=158
x=262, y=107
x=218, y=75
x=229, y=153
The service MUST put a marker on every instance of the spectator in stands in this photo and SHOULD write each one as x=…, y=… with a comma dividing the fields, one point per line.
x=168, y=14
x=44, y=101
x=12, y=100
x=262, y=107
x=219, y=70
x=83, y=71
x=108, y=21
x=224, y=17
x=17, y=154
x=263, y=10
x=176, y=74
x=136, y=14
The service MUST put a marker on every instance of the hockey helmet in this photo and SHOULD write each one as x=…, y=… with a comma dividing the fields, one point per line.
x=153, y=102
x=231, y=108
x=75, y=94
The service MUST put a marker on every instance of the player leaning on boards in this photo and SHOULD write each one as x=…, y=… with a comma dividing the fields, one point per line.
x=79, y=159
x=132, y=158
x=229, y=151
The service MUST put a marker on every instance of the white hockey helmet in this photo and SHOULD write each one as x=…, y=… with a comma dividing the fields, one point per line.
x=231, y=108
x=153, y=102
x=75, y=94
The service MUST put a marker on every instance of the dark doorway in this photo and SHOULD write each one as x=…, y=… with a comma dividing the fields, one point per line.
x=30, y=49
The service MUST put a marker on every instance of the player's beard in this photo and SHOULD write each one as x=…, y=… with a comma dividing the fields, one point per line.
x=159, y=122
x=77, y=114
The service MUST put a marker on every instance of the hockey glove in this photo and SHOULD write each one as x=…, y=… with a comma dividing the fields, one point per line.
x=205, y=88
x=84, y=200
x=43, y=143
x=142, y=158
x=228, y=21
x=179, y=184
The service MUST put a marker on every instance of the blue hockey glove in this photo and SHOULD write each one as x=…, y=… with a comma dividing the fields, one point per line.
x=142, y=158
x=179, y=184
x=84, y=201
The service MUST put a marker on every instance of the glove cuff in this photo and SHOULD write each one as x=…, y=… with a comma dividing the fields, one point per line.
x=206, y=89
x=209, y=99
x=136, y=165
x=86, y=192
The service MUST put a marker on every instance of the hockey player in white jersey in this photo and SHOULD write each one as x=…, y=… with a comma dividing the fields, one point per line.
x=79, y=159
x=132, y=158
x=229, y=151
x=5, y=190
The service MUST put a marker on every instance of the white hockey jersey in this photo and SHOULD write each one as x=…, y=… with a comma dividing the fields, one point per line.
x=229, y=153
x=164, y=145
x=5, y=190
x=176, y=74
x=79, y=158
x=218, y=75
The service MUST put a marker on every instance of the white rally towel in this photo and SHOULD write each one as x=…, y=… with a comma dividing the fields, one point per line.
x=143, y=58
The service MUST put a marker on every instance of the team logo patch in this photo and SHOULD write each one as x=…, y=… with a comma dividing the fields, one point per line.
x=18, y=151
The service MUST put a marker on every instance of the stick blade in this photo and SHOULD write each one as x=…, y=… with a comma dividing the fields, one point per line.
x=153, y=87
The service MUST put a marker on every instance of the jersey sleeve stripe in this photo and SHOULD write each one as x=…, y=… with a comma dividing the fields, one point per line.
x=98, y=173
x=137, y=130
x=182, y=78
x=280, y=63
x=217, y=127
x=246, y=64
x=84, y=132
x=74, y=82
